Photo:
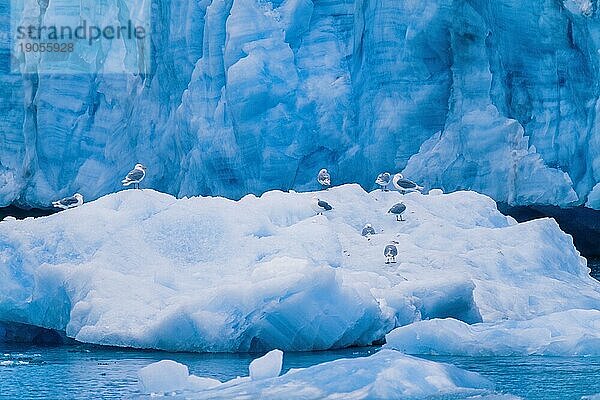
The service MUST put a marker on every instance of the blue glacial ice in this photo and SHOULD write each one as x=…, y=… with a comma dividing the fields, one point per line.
x=246, y=96
x=143, y=269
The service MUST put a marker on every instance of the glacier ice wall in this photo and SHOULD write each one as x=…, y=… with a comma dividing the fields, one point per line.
x=246, y=95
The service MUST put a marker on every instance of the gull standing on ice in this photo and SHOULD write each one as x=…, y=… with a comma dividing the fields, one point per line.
x=368, y=231
x=390, y=252
x=320, y=205
x=324, y=178
x=135, y=176
x=383, y=180
x=398, y=209
x=405, y=185
x=69, y=202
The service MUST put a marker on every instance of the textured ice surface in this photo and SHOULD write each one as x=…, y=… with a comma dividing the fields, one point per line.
x=245, y=96
x=568, y=333
x=141, y=268
x=387, y=374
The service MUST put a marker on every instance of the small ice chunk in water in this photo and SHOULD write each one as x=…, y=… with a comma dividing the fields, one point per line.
x=163, y=377
x=267, y=366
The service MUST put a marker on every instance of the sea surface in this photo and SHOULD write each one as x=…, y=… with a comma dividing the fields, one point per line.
x=80, y=372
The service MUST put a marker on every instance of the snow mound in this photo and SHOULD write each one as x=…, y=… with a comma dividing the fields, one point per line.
x=144, y=269
x=387, y=374
x=568, y=333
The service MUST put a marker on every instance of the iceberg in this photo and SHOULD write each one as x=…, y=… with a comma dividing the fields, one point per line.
x=567, y=333
x=387, y=374
x=142, y=269
x=247, y=96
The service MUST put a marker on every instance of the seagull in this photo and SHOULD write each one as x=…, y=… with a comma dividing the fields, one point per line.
x=398, y=209
x=324, y=178
x=69, y=202
x=383, y=180
x=135, y=176
x=320, y=205
x=390, y=252
x=368, y=231
x=405, y=185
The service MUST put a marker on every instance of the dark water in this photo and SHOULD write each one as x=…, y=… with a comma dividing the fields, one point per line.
x=21, y=213
x=594, y=265
x=81, y=372
x=581, y=222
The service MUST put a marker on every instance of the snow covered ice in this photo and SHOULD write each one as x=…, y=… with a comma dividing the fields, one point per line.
x=144, y=269
x=268, y=366
x=385, y=375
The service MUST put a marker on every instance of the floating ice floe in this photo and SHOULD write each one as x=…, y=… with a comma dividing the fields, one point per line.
x=144, y=269
x=168, y=376
x=387, y=374
x=567, y=333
